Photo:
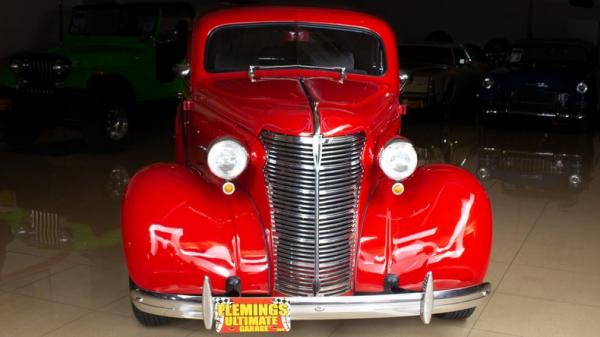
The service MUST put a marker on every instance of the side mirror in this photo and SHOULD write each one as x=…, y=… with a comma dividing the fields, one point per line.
x=182, y=71
x=403, y=81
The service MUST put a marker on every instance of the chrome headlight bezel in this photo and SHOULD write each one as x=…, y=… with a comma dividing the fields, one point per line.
x=401, y=151
x=582, y=88
x=18, y=65
x=61, y=67
x=227, y=147
x=487, y=83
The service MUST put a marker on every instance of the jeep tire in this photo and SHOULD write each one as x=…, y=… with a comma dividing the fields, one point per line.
x=108, y=123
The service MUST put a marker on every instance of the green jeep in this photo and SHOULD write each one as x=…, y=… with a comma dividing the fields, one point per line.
x=113, y=58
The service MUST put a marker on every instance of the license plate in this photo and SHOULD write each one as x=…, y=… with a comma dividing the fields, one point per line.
x=247, y=314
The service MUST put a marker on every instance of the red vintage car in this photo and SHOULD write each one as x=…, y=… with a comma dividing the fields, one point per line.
x=293, y=195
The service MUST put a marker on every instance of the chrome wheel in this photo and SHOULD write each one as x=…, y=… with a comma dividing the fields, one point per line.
x=116, y=123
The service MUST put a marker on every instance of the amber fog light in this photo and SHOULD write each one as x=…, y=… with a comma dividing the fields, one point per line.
x=228, y=188
x=398, y=189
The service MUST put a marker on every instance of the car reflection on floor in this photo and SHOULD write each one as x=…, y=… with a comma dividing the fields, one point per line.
x=537, y=158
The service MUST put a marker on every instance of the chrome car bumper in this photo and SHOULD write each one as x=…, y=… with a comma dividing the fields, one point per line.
x=546, y=114
x=422, y=304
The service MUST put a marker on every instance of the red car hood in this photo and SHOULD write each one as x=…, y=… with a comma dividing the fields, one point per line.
x=282, y=105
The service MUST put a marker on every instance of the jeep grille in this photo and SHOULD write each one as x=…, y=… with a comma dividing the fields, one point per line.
x=40, y=77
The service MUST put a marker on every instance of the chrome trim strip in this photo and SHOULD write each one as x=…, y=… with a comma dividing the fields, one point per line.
x=314, y=108
x=331, y=307
x=560, y=115
x=252, y=70
x=317, y=154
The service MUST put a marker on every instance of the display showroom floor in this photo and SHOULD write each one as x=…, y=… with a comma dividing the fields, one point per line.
x=62, y=271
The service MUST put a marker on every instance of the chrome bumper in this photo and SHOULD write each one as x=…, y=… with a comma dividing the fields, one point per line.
x=546, y=114
x=422, y=304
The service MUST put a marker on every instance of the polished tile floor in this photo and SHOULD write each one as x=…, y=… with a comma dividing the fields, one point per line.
x=62, y=271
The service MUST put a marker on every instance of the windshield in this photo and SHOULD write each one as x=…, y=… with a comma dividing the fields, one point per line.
x=114, y=21
x=424, y=55
x=549, y=56
x=236, y=48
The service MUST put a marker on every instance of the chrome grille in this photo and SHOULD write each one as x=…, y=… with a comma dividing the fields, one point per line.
x=530, y=164
x=291, y=179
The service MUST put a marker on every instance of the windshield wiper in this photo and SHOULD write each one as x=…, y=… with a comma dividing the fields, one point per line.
x=252, y=70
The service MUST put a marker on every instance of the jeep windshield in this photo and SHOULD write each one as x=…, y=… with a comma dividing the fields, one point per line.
x=114, y=20
x=424, y=55
x=237, y=48
x=549, y=56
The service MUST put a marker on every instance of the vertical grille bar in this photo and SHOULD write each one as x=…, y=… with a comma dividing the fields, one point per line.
x=313, y=210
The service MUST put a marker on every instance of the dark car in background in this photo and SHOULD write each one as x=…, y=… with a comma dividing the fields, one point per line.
x=439, y=76
x=555, y=79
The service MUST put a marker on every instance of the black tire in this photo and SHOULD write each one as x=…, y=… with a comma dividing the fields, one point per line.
x=107, y=128
x=22, y=128
x=457, y=315
x=147, y=319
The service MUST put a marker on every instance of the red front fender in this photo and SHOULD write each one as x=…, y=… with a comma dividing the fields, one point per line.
x=442, y=223
x=177, y=228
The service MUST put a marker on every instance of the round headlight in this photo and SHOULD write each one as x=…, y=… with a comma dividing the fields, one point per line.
x=16, y=66
x=227, y=159
x=61, y=67
x=398, y=159
x=487, y=83
x=582, y=88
